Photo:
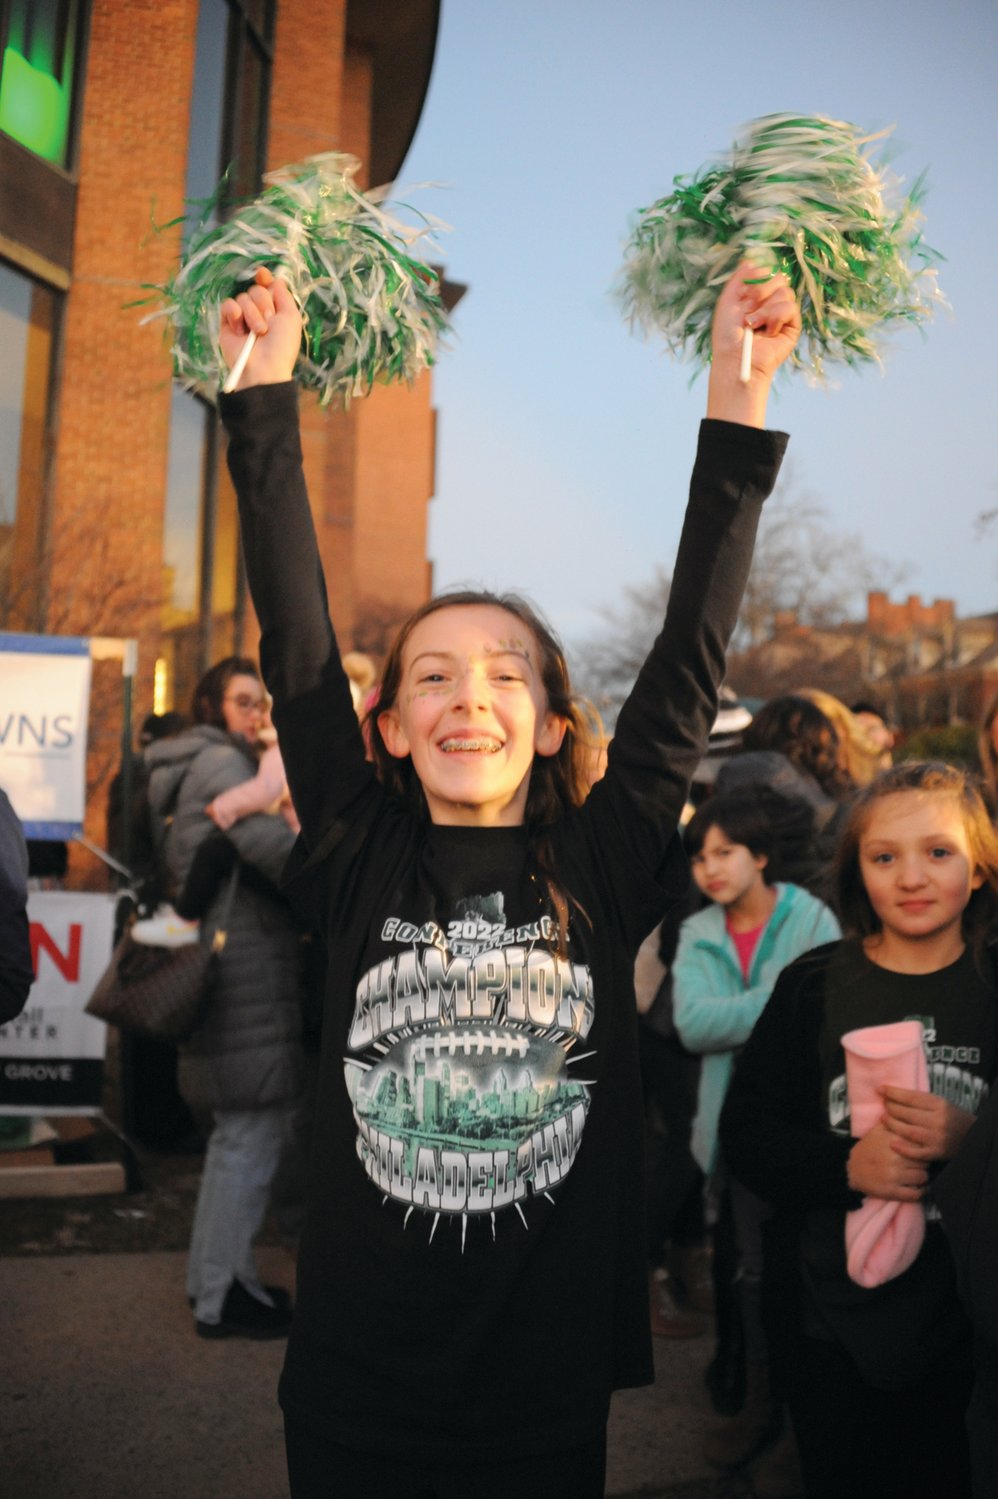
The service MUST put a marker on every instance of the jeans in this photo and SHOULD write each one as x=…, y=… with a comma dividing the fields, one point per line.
x=239, y=1165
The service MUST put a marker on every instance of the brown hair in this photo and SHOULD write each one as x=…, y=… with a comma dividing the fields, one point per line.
x=980, y=919
x=796, y=727
x=859, y=756
x=206, y=704
x=744, y=817
x=558, y=782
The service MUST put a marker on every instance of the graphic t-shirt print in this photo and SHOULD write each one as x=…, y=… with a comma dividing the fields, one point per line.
x=465, y=1069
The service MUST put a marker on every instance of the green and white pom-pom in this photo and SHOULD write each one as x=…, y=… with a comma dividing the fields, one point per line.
x=370, y=312
x=800, y=195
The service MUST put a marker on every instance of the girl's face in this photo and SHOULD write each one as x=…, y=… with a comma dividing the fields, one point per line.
x=472, y=712
x=726, y=872
x=244, y=706
x=917, y=867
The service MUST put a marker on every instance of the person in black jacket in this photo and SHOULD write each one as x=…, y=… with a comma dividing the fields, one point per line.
x=16, y=972
x=966, y=1192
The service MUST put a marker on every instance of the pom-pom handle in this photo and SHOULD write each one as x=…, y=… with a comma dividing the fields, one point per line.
x=236, y=372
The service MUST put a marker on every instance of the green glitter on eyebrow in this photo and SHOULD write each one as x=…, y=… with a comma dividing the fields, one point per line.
x=513, y=647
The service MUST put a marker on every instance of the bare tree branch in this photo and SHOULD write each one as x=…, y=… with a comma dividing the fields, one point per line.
x=802, y=565
x=607, y=664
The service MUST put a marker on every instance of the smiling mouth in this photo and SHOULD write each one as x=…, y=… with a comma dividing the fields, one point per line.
x=477, y=746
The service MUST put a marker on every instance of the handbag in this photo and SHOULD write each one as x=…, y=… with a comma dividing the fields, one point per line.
x=160, y=992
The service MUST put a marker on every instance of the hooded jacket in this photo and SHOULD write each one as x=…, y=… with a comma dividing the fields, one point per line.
x=715, y=1009
x=246, y=1053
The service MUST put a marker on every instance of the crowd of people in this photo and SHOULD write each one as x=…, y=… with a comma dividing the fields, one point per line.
x=836, y=893
x=837, y=896
x=787, y=938
x=443, y=896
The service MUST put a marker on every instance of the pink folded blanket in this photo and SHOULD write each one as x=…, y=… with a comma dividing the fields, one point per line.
x=882, y=1237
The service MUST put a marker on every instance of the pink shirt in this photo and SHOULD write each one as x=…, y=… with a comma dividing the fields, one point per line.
x=745, y=945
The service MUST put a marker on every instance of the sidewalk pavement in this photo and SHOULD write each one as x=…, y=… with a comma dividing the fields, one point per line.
x=108, y=1394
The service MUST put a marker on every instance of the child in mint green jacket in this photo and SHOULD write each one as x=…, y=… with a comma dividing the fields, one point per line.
x=729, y=957
x=731, y=953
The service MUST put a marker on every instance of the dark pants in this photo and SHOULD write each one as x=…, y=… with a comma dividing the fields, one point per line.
x=153, y=1111
x=877, y=1444
x=982, y=1426
x=674, y=1181
x=324, y=1470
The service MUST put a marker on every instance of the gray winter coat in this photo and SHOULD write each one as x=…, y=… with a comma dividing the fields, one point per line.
x=246, y=1054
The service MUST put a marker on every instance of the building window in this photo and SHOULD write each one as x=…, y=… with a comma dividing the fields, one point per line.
x=28, y=316
x=40, y=40
x=204, y=589
x=244, y=143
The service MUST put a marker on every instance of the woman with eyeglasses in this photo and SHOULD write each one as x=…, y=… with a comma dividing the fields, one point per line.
x=243, y=1064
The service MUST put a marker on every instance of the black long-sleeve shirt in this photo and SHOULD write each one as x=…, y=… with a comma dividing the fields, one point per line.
x=472, y=1271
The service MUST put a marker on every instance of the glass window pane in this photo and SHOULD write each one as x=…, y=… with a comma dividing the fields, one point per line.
x=223, y=581
x=246, y=123
x=261, y=14
x=179, y=666
x=182, y=519
x=228, y=121
x=37, y=80
x=27, y=319
x=204, y=161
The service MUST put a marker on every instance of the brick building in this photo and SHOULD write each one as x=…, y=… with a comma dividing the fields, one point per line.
x=920, y=661
x=116, y=514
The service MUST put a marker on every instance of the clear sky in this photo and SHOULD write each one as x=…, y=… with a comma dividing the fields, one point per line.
x=565, y=441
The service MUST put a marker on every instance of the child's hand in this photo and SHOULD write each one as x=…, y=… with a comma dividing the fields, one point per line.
x=877, y=1169
x=223, y=820
x=923, y=1126
x=269, y=310
x=752, y=298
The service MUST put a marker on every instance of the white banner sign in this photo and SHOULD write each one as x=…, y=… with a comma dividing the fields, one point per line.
x=52, y=1054
x=44, y=704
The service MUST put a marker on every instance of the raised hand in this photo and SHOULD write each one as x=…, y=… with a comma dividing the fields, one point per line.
x=270, y=311
x=751, y=299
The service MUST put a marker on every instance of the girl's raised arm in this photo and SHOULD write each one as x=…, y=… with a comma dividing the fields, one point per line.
x=313, y=710
x=663, y=727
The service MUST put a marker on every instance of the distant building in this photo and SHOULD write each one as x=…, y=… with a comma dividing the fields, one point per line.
x=919, y=660
x=117, y=517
